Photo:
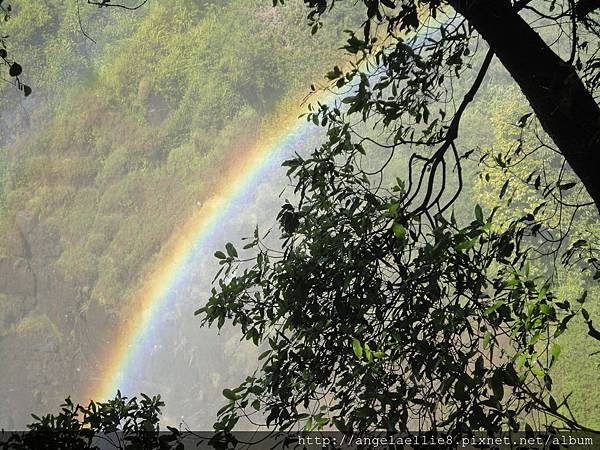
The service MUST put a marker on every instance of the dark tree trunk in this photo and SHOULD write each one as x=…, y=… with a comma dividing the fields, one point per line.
x=564, y=107
x=585, y=7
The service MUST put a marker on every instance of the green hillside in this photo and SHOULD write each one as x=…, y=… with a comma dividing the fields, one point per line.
x=130, y=128
x=111, y=154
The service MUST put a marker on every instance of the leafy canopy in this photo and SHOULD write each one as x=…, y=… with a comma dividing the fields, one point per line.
x=381, y=310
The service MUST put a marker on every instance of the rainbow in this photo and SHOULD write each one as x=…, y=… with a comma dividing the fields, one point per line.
x=238, y=183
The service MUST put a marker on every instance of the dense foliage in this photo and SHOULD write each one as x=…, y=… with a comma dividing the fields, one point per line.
x=120, y=423
x=384, y=309
x=371, y=319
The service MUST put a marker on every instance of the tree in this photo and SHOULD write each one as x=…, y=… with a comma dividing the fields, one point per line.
x=382, y=309
x=562, y=102
x=565, y=107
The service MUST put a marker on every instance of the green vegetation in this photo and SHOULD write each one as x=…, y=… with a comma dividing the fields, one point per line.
x=115, y=148
x=132, y=129
x=395, y=302
x=78, y=427
x=389, y=306
x=569, y=283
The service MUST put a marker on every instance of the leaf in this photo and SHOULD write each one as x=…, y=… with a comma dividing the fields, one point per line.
x=220, y=255
x=536, y=337
x=566, y=186
x=368, y=353
x=592, y=331
x=230, y=395
x=585, y=314
x=581, y=299
x=309, y=424
x=537, y=372
x=497, y=387
x=486, y=339
x=357, y=348
x=399, y=230
x=15, y=70
x=523, y=120
x=340, y=425
x=175, y=431
x=478, y=213
x=393, y=208
x=493, y=308
x=231, y=251
x=26, y=90
x=364, y=411
x=466, y=245
x=263, y=355
x=504, y=187
x=555, y=351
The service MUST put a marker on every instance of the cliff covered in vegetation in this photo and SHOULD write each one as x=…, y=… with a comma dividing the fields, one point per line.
x=120, y=142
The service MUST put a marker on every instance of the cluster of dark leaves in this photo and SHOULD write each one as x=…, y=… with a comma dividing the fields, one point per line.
x=419, y=71
x=399, y=78
x=380, y=311
x=373, y=317
x=120, y=423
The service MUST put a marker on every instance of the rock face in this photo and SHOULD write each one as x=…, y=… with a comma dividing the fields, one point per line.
x=46, y=342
